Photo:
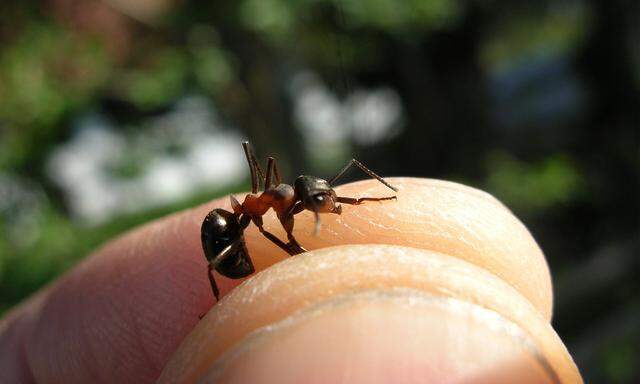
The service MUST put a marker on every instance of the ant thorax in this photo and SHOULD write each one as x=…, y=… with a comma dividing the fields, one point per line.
x=255, y=205
x=281, y=198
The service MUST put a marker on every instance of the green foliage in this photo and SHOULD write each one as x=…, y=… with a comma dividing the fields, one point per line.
x=276, y=19
x=400, y=16
x=618, y=359
x=518, y=38
x=213, y=66
x=159, y=80
x=531, y=187
x=39, y=85
x=279, y=18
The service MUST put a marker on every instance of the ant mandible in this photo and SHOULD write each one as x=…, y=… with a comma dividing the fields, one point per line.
x=223, y=231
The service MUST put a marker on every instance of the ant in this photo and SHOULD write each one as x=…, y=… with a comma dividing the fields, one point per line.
x=223, y=231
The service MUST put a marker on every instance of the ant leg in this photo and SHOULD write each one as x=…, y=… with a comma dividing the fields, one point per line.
x=276, y=172
x=294, y=243
x=291, y=249
x=272, y=170
x=365, y=170
x=287, y=222
x=252, y=166
x=267, y=178
x=254, y=160
x=256, y=171
x=294, y=210
x=214, y=286
x=213, y=263
x=353, y=201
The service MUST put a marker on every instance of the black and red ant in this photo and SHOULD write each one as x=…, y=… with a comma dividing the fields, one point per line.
x=223, y=231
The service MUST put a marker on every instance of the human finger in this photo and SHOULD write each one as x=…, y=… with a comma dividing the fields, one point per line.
x=149, y=286
x=373, y=314
x=437, y=215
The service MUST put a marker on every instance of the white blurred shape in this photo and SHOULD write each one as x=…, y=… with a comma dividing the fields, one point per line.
x=375, y=115
x=368, y=116
x=317, y=110
x=218, y=159
x=166, y=179
x=179, y=154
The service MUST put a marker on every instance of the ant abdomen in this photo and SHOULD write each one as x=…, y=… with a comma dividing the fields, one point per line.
x=237, y=267
x=223, y=238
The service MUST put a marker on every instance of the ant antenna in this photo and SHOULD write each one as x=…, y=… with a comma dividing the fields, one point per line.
x=365, y=170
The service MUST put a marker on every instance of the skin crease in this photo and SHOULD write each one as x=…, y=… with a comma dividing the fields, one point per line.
x=390, y=336
x=310, y=279
x=122, y=312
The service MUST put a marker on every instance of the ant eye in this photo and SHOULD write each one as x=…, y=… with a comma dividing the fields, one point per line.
x=322, y=203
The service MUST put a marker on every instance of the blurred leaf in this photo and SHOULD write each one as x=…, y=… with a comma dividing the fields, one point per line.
x=274, y=18
x=533, y=186
x=395, y=16
x=39, y=85
x=212, y=68
x=519, y=37
x=157, y=81
x=618, y=360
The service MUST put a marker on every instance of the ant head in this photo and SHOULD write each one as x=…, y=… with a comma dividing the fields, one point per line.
x=323, y=202
x=316, y=194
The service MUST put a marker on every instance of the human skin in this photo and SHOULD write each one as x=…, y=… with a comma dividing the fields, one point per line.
x=442, y=285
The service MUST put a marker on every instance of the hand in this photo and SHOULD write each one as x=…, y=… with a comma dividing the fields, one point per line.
x=460, y=292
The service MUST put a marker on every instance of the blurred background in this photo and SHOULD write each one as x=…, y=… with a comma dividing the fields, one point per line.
x=115, y=112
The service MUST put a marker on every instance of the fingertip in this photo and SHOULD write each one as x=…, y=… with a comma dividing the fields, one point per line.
x=391, y=336
x=436, y=215
x=360, y=275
